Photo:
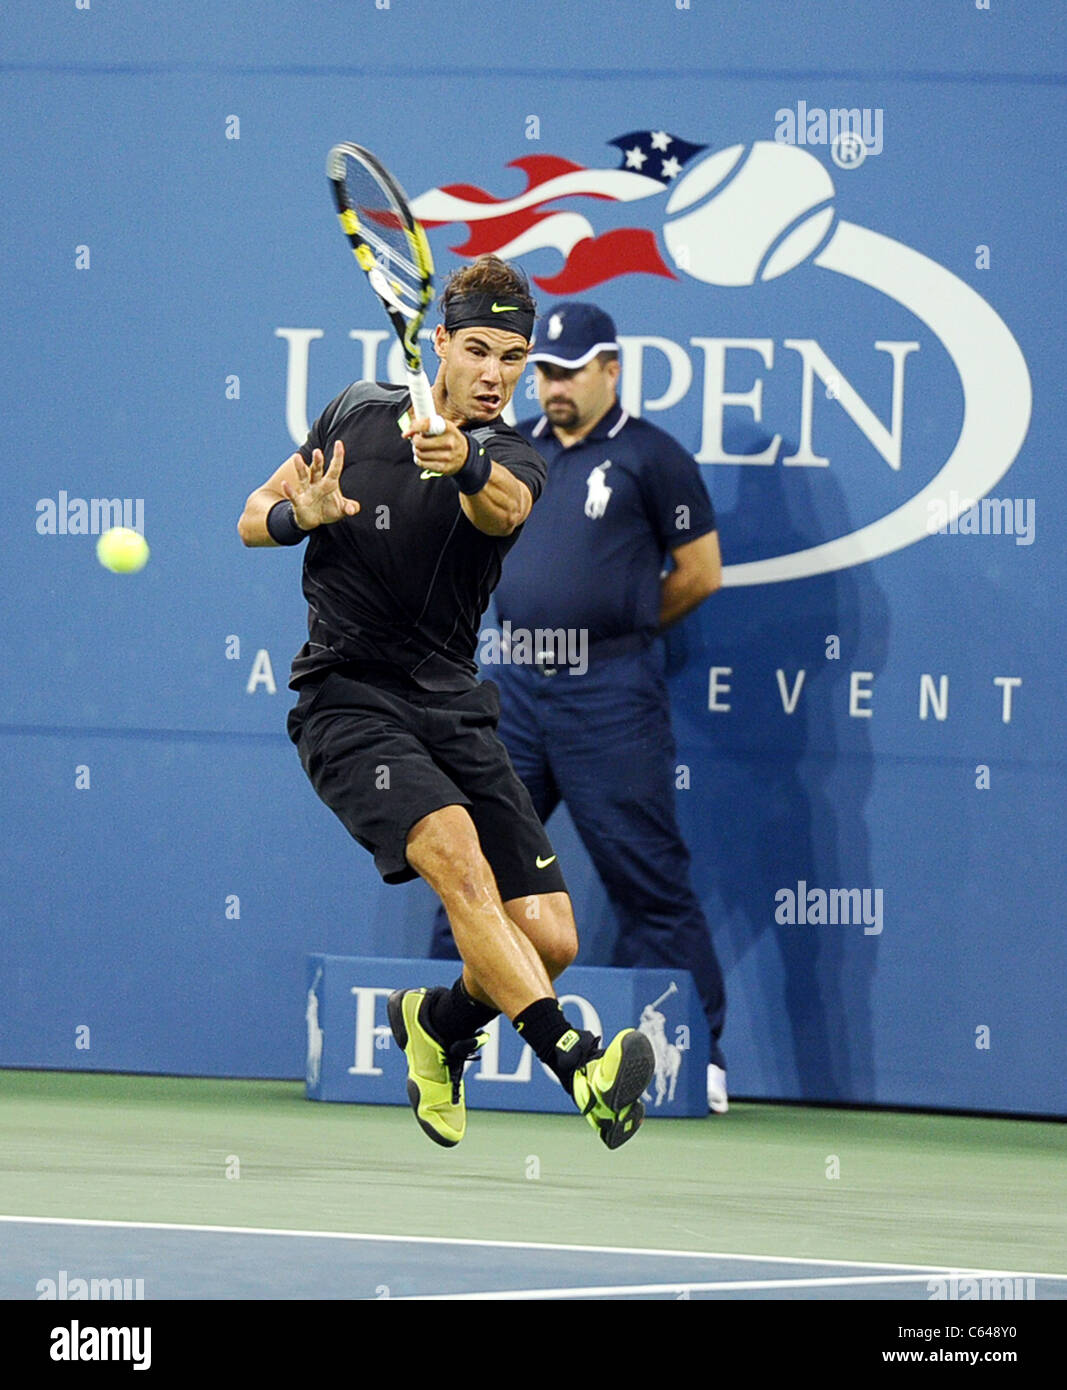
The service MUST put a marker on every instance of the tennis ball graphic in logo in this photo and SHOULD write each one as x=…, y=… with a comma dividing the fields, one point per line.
x=748, y=214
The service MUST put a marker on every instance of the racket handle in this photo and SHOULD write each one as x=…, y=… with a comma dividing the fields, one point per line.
x=422, y=400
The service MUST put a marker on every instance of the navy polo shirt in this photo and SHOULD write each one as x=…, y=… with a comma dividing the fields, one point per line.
x=614, y=505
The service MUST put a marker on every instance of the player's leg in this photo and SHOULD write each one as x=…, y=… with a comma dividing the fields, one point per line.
x=525, y=870
x=362, y=747
x=520, y=731
x=503, y=971
x=464, y=1010
x=502, y=831
x=607, y=1090
x=444, y=849
x=548, y=920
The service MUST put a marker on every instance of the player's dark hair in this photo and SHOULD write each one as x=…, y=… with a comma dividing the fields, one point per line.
x=489, y=275
x=608, y=355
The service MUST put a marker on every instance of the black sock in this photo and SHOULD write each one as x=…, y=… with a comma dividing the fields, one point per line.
x=455, y=1015
x=560, y=1046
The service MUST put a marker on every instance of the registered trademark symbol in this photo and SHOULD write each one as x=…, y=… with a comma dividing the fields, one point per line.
x=848, y=149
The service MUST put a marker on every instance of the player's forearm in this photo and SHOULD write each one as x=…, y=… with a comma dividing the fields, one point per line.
x=681, y=592
x=252, y=527
x=500, y=506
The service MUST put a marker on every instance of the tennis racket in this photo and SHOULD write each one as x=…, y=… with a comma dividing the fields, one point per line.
x=391, y=247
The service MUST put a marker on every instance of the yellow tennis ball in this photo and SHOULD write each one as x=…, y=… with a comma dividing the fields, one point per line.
x=122, y=551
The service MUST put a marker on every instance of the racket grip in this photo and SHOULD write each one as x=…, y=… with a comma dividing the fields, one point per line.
x=422, y=400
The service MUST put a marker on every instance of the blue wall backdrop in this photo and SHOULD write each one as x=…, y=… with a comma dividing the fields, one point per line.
x=868, y=704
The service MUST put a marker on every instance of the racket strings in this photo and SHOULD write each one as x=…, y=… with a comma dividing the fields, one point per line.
x=392, y=262
x=382, y=227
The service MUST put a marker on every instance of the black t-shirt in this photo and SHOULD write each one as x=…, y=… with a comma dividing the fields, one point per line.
x=401, y=586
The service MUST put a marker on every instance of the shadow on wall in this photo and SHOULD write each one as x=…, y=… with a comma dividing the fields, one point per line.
x=780, y=799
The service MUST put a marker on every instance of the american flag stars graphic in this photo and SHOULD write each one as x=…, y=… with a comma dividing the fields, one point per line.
x=545, y=215
x=655, y=153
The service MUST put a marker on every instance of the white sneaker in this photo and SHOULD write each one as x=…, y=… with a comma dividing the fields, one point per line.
x=717, y=1102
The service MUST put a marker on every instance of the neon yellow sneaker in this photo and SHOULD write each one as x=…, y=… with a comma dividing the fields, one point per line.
x=435, y=1072
x=607, y=1089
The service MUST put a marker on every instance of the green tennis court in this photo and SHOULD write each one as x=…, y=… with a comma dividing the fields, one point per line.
x=767, y=1201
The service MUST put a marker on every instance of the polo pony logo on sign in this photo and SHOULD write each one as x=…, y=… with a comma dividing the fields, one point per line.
x=668, y=1055
x=744, y=216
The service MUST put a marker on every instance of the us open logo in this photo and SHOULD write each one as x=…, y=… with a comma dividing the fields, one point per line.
x=737, y=219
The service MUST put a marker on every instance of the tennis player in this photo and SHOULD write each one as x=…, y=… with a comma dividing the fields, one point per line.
x=406, y=533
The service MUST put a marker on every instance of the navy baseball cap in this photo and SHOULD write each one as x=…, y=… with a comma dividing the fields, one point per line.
x=571, y=334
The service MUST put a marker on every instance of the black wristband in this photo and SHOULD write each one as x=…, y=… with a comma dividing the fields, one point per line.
x=474, y=474
x=281, y=524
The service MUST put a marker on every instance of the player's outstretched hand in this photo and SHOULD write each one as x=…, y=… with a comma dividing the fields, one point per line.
x=317, y=498
x=442, y=453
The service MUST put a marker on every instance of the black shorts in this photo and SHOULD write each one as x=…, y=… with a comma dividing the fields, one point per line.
x=382, y=757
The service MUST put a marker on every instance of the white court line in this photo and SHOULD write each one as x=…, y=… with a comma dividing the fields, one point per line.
x=608, y=1290
x=519, y=1245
